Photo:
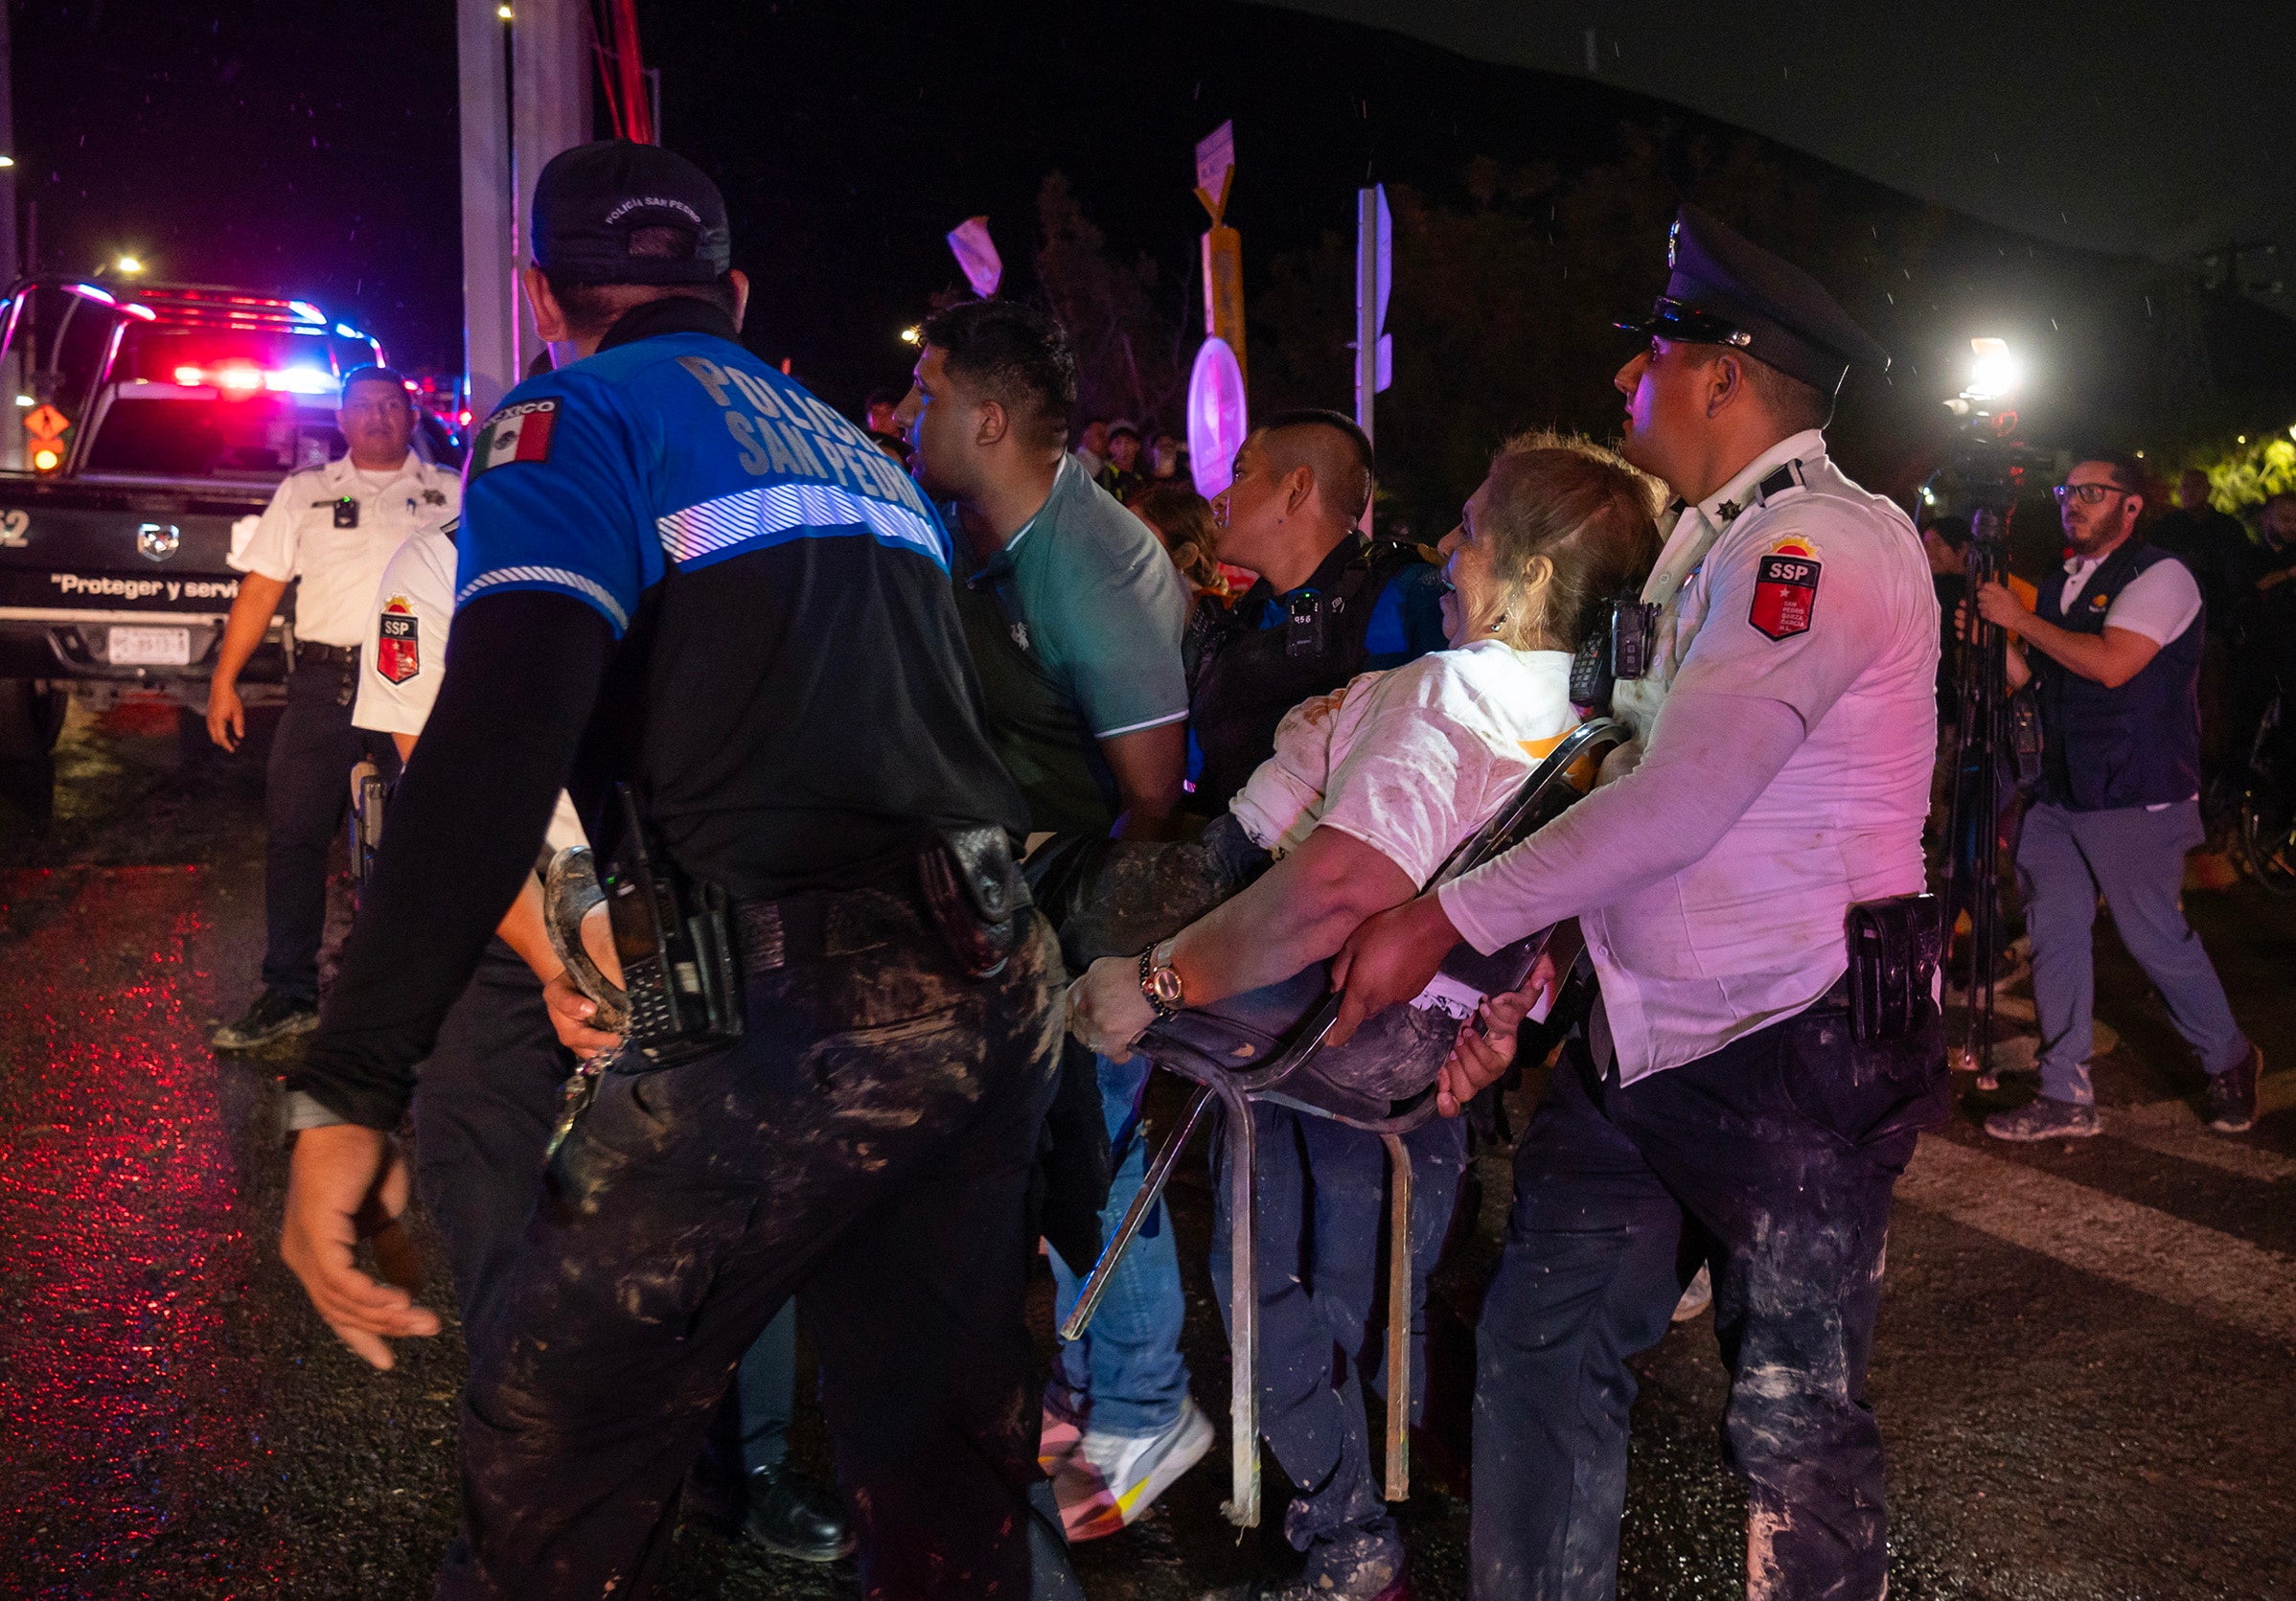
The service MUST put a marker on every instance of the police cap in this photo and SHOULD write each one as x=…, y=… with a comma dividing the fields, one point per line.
x=591, y=200
x=1725, y=290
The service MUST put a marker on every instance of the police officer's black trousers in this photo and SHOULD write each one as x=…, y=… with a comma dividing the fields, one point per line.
x=1772, y=1161
x=866, y=1146
x=484, y=1102
x=307, y=791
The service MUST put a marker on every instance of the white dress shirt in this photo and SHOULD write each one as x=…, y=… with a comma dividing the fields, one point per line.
x=335, y=569
x=1752, y=932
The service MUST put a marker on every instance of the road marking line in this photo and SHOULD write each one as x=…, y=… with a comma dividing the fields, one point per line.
x=2173, y=1129
x=2202, y=1270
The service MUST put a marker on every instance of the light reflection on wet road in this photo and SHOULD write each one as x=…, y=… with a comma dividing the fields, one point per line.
x=174, y=1423
x=125, y=1391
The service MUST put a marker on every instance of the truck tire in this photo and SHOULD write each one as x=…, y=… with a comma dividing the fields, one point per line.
x=31, y=717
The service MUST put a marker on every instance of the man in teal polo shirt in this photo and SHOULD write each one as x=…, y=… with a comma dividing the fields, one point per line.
x=1074, y=615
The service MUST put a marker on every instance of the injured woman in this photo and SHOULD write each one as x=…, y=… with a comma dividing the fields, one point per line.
x=1368, y=790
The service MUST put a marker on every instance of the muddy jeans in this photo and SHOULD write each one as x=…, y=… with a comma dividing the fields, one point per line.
x=1774, y=1156
x=866, y=1147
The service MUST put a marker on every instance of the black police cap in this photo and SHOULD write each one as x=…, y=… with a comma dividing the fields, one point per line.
x=592, y=199
x=1725, y=290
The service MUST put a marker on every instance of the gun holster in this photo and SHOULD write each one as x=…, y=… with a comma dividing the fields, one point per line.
x=972, y=888
x=1894, y=948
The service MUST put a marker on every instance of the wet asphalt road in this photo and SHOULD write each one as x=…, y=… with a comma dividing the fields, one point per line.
x=2083, y=1367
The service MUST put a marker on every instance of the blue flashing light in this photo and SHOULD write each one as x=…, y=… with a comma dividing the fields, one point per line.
x=347, y=331
x=89, y=292
x=301, y=381
x=306, y=311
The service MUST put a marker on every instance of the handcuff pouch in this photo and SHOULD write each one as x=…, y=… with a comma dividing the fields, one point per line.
x=1894, y=948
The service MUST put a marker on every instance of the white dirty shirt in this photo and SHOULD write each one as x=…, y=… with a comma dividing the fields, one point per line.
x=1814, y=595
x=405, y=654
x=1413, y=760
x=302, y=535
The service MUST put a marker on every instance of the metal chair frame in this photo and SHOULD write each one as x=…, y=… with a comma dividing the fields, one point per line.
x=1235, y=1091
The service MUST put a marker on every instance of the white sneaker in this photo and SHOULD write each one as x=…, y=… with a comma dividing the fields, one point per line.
x=1108, y=1480
x=1696, y=1297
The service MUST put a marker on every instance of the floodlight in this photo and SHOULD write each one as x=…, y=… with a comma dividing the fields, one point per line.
x=1994, y=373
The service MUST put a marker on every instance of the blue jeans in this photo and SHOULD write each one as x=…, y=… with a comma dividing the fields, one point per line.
x=1124, y=1375
x=1318, y=1241
x=2137, y=860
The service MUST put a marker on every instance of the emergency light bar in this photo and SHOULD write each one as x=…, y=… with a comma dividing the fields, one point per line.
x=243, y=380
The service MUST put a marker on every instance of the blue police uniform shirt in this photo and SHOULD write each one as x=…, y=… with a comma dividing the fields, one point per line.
x=791, y=692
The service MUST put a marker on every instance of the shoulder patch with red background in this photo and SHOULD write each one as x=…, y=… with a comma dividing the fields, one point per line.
x=397, y=641
x=1785, y=589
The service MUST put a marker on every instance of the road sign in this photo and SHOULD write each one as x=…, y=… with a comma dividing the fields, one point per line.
x=1215, y=168
x=46, y=422
x=976, y=253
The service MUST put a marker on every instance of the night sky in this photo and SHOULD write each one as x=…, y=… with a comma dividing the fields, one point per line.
x=310, y=147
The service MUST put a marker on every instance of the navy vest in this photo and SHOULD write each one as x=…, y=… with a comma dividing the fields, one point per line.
x=1242, y=680
x=2135, y=746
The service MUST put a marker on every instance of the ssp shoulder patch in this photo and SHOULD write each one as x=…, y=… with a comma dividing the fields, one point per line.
x=517, y=433
x=1785, y=589
x=397, y=641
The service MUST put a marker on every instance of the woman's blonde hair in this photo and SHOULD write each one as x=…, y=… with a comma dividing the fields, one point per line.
x=1183, y=520
x=1593, y=516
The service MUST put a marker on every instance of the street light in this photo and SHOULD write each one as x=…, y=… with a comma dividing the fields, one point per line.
x=911, y=334
x=129, y=265
x=8, y=161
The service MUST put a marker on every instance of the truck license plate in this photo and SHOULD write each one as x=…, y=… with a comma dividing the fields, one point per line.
x=150, y=647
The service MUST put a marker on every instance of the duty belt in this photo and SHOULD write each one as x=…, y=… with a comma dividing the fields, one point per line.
x=333, y=655
x=797, y=929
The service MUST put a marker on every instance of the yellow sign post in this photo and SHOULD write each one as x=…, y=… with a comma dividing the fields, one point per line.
x=1222, y=245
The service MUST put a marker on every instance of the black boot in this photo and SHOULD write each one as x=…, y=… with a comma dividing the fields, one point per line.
x=794, y=1517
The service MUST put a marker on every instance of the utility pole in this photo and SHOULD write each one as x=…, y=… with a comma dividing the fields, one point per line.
x=9, y=266
x=550, y=111
x=1374, y=355
x=489, y=227
x=512, y=123
x=1374, y=362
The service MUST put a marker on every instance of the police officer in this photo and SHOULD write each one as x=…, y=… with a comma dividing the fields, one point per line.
x=1328, y=602
x=680, y=570
x=328, y=531
x=2117, y=646
x=487, y=1095
x=1719, y=1091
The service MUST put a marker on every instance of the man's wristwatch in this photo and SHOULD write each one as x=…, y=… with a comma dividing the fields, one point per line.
x=1160, y=980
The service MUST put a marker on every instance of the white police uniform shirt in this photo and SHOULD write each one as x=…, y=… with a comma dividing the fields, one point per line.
x=405, y=654
x=297, y=539
x=1816, y=595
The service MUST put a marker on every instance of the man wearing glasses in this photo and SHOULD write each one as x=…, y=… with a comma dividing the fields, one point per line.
x=2115, y=650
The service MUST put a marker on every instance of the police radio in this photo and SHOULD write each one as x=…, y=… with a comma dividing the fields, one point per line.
x=674, y=940
x=1624, y=650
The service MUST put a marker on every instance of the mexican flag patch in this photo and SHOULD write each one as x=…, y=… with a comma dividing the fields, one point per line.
x=519, y=433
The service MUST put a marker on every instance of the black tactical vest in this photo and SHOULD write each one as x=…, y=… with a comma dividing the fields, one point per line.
x=1243, y=678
